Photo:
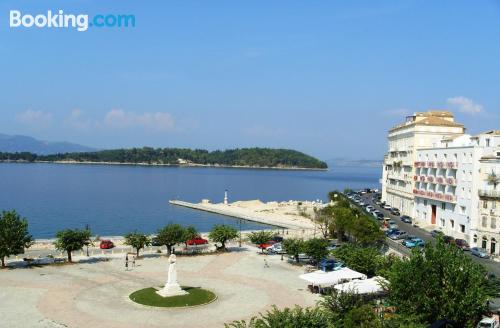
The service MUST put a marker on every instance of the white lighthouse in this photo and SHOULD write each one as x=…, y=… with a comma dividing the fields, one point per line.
x=225, y=197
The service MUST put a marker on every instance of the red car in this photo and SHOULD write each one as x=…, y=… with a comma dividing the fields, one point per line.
x=197, y=241
x=267, y=244
x=106, y=244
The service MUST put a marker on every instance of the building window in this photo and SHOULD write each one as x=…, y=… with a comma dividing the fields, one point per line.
x=474, y=239
x=485, y=204
x=494, y=204
x=487, y=142
x=443, y=206
x=493, y=223
x=452, y=223
x=425, y=202
x=442, y=222
x=484, y=222
x=484, y=243
x=462, y=228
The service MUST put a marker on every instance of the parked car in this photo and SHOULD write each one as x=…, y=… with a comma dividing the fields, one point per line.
x=380, y=216
x=267, y=244
x=302, y=258
x=362, y=204
x=197, y=241
x=436, y=233
x=276, y=249
x=462, y=244
x=106, y=244
x=387, y=206
x=391, y=231
x=395, y=211
x=448, y=240
x=330, y=265
x=398, y=235
x=278, y=239
x=479, y=252
x=413, y=242
x=406, y=219
x=492, y=322
x=369, y=208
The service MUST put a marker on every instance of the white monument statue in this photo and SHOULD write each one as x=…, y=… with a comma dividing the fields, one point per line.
x=171, y=288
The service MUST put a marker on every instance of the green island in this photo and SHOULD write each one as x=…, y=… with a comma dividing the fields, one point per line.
x=196, y=296
x=241, y=157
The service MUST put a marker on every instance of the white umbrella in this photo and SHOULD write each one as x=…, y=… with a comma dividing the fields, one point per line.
x=321, y=278
x=368, y=286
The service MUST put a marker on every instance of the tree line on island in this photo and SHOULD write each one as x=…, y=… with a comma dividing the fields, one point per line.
x=247, y=157
x=435, y=282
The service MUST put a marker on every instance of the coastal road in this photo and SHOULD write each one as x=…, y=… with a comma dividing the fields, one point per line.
x=490, y=265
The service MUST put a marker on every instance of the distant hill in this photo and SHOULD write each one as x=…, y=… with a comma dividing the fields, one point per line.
x=244, y=157
x=13, y=144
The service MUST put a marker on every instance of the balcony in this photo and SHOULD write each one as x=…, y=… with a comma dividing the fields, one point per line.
x=435, y=195
x=431, y=164
x=437, y=180
x=489, y=194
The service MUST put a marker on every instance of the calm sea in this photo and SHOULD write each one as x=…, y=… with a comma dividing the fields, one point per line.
x=114, y=200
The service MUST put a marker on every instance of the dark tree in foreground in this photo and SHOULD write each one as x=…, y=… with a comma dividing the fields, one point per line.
x=222, y=233
x=290, y=318
x=14, y=236
x=440, y=282
x=170, y=235
x=137, y=240
x=71, y=240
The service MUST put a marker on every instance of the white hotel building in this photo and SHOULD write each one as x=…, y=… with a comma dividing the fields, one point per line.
x=452, y=180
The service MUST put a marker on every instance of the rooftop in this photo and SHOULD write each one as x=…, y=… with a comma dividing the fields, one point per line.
x=429, y=118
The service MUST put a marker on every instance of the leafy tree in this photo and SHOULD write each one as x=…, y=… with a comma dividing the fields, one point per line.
x=294, y=247
x=440, y=282
x=70, y=240
x=337, y=304
x=189, y=233
x=316, y=249
x=343, y=218
x=363, y=259
x=261, y=237
x=14, y=236
x=362, y=317
x=222, y=233
x=137, y=240
x=289, y=318
x=366, y=231
x=170, y=235
x=324, y=219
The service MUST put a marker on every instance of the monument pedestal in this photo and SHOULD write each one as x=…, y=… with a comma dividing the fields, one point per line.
x=171, y=290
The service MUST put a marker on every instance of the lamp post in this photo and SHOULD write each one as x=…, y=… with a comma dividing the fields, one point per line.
x=240, y=233
x=87, y=227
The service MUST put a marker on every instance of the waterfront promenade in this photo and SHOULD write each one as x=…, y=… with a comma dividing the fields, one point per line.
x=292, y=215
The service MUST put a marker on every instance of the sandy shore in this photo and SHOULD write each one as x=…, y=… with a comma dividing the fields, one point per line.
x=292, y=215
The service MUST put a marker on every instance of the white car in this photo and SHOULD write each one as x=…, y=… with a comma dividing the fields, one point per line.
x=492, y=322
x=276, y=248
x=387, y=207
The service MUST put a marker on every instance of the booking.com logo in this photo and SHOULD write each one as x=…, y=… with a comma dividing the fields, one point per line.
x=59, y=19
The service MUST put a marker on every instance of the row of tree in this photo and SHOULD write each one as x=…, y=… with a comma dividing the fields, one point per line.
x=440, y=282
x=255, y=157
x=434, y=283
x=344, y=222
x=15, y=238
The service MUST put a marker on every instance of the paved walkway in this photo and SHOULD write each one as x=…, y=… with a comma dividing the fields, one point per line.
x=84, y=295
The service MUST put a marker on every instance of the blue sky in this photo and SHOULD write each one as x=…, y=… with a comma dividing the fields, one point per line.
x=324, y=77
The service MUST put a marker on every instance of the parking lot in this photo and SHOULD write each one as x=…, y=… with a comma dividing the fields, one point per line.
x=412, y=230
